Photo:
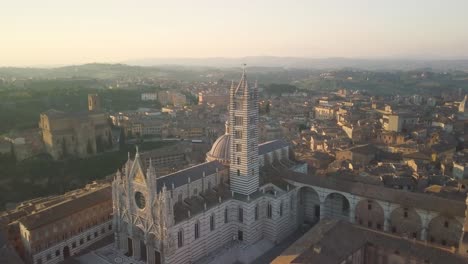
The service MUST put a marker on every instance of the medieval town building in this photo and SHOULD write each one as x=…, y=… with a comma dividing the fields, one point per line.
x=76, y=134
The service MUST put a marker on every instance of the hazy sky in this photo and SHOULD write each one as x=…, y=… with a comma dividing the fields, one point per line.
x=48, y=32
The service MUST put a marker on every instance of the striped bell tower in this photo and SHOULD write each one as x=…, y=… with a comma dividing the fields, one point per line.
x=243, y=119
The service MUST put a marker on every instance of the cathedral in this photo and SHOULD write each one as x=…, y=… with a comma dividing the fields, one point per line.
x=248, y=192
x=236, y=195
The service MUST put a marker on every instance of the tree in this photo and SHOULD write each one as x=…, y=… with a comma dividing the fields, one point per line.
x=278, y=89
x=267, y=107
x=109, y=139
x=13, y=153
x=99, y=144
x=302, y=127
x=64, y=147
x=122, y=139
x=89, y=148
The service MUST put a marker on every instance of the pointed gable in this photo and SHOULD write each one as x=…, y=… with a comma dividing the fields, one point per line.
x=243, y=86
x=137, y=172
x=140, y=178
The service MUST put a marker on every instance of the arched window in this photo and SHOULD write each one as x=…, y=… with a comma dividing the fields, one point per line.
x=197, y=230
x=270, y=211
x=212, y=222
x=238, y=147
x=180, y=238
x=209, y=185
x=241, y=215
x=256, y=212
x=179, y=197
x=281, y=208
x=226, y=215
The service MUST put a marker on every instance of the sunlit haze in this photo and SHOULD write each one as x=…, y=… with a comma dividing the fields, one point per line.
x=54, y=32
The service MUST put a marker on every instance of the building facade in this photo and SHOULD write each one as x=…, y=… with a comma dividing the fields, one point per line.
x=216, y=99
x=94, y=103
x=183, y=216
x=75, y=134
x=324, y=112
x=49, y=230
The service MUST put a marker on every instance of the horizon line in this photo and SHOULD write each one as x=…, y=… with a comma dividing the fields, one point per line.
x=134, y=62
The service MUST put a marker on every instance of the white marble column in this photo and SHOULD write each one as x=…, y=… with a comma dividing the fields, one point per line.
x=353, y=201
x=150, y=254
x=123, y=243
x=352, y=215
x=424, y=234
x=352, y=210
x=322, y=210
x=386, y=225
x=426, y=218
x=388, y=208
x=136, y=249
x=117, y=241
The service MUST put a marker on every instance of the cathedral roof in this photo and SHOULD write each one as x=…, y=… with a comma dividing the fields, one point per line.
x=181, y=177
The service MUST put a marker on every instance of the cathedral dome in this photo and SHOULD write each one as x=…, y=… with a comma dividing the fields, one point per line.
x=220, y=150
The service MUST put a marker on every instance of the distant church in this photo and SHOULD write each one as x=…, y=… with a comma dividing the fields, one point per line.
x=235, y=195
x=79, y=134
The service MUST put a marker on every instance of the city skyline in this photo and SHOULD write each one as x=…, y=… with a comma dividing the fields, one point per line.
x=261, y=131
x=61, y=33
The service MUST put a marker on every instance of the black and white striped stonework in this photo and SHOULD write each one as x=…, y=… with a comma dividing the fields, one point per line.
x=243, y=119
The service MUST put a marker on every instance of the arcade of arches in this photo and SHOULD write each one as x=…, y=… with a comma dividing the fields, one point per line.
x=309, y=206
x=404, y=221
x=370, y=214
x=336, y=206
x=444, y=230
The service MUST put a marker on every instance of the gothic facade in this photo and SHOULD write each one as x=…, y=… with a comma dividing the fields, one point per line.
x=186, y=215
